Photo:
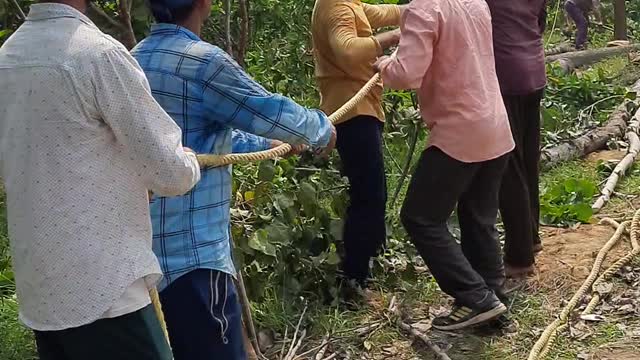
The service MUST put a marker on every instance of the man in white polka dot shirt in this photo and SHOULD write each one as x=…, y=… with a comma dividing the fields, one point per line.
x=82, y=141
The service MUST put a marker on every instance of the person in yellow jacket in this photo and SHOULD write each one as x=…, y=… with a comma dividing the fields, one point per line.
x=345, y=49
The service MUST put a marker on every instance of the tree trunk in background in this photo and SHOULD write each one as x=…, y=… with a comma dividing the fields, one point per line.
x=243, y=37
x=128, y=38
x=572, y=60
x=620, y=19
x=227, y=27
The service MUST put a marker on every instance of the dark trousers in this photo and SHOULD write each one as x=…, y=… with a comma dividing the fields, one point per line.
x=360, y=147
x=203, y=317
x=469, y=271
x=135, y=336
x=581, y=18
x=520, y=194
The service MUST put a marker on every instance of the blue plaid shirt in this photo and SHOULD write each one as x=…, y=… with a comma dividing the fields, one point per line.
x=209, y=95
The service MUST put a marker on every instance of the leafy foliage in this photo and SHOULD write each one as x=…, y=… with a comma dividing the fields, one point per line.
x=7, y=283
x=286, y=226
x=16, y=341
x=574, y=103
x=286, y=217
x=568, y=202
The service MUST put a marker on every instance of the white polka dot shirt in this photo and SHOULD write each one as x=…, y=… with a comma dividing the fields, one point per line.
x=81, y=142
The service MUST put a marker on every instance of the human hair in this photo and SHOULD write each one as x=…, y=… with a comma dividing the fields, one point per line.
x=162, y=14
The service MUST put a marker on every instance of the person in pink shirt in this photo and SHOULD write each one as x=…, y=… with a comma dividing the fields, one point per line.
x=446, y=54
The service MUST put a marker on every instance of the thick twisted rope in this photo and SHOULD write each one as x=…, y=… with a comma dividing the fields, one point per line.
x=155, y=301
x=543, y=345
x=213, y=160
x=635, y=250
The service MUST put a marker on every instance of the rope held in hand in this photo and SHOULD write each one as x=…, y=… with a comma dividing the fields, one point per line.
x=213, y=160
x=543, y=345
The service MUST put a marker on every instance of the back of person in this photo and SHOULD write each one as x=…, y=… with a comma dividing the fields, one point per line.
x=56, y=149
x=517, y=31
x=174, y=61
x=82, y=141
x=462, y=103
x=341, y=75
x=208, y=95
x=518, y=27
x=446, y=54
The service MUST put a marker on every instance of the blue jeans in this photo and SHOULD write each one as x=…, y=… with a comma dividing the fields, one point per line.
x=203, y=317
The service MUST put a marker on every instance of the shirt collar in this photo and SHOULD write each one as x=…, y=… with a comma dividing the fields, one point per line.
x=172, y=29
x=47, y=11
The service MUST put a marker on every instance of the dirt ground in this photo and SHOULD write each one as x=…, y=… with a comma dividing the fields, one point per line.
x=606, y=155
x=568, y=255
x=617, y=352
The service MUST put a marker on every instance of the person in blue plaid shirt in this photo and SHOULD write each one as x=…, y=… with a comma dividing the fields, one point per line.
x=220, y=110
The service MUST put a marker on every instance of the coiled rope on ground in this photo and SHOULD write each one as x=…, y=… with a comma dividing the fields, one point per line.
x=544, y=343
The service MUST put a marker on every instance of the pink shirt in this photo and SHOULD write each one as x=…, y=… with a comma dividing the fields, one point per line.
x=446, y=54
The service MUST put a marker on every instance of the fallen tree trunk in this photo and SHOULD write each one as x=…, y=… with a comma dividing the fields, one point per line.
x=560, y=49
x=589, y=142
x=573, y=60
x=594, y=139
x=622, y=167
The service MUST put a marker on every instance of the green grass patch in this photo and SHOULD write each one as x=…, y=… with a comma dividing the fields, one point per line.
x=16, y=341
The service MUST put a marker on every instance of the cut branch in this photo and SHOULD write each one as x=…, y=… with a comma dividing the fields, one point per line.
x=395, y=309
x=296, y=342
x=128, y=36
x=573, y=60
x=623, y=165
x=593, y=140
x=20, y=11
x=407, y=163
x=98, y=10
x=247, y=317
x=323, y=348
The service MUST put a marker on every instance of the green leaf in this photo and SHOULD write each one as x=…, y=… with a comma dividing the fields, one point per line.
x=279, y=233
x=582, y=212
x=333, y=258
x=260, y=241
x=266, y=171
x=336, y=228
x=631, y=95
x=307, y=196
x=5, y=33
